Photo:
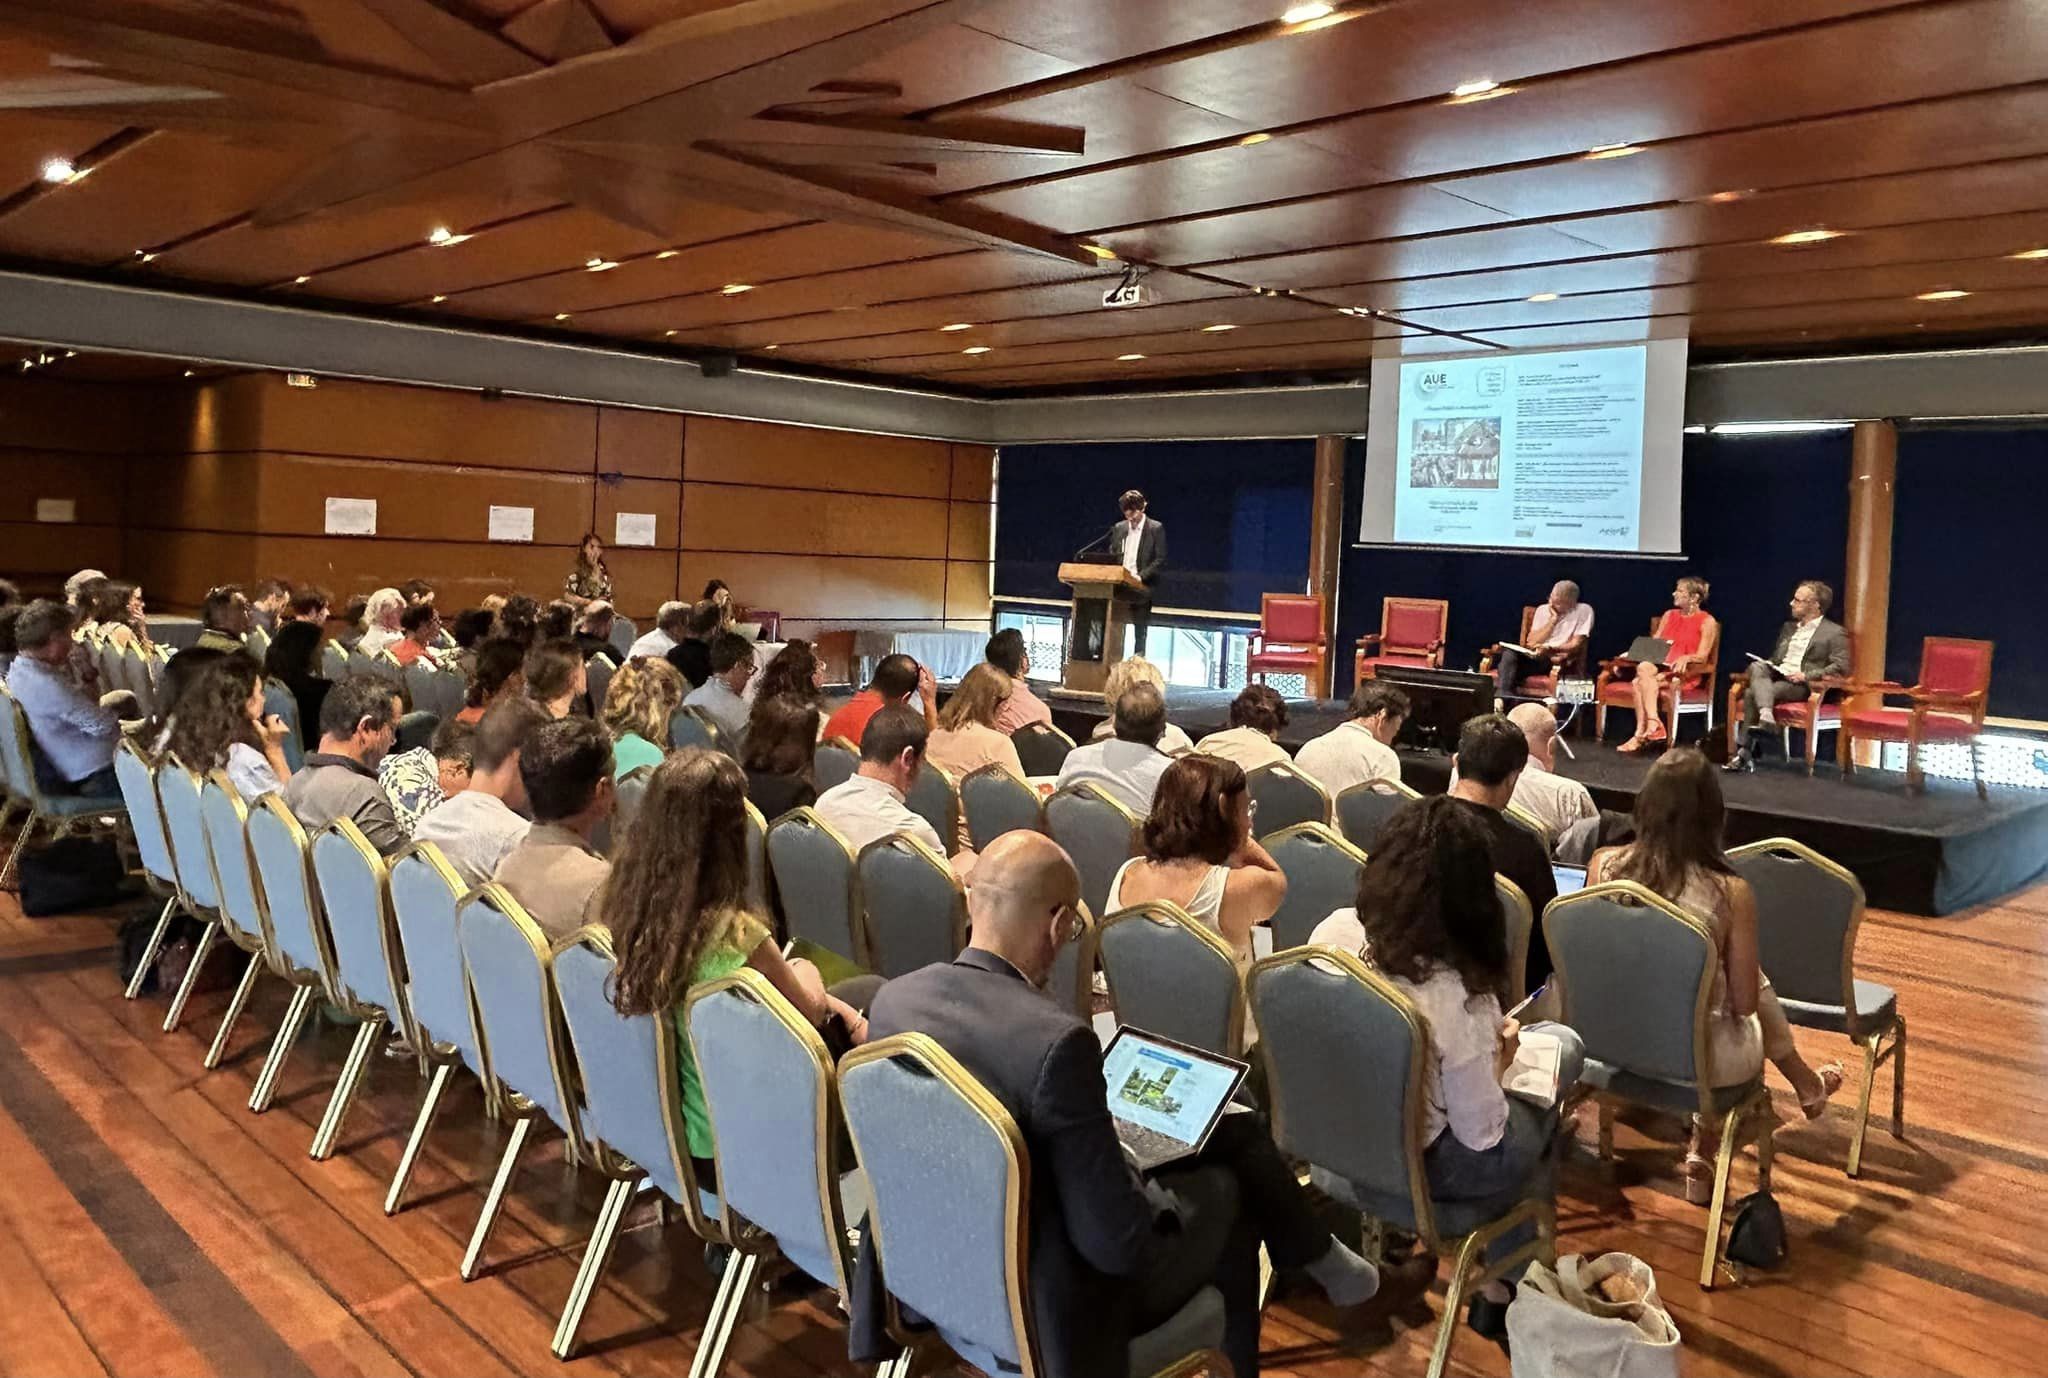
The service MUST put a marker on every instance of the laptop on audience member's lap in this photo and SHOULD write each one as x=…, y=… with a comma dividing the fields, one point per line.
x=1165, y=1097
x=1569, y=878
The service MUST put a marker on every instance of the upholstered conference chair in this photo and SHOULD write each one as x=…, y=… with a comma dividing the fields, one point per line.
x=1820, y=711
x=177, y=788
x=1614, y=686
x=1041, y=748
x=1283, y=795
x=369, y=973
x=935, y=798
x=1412, y=632
x=277, y=845
x=1345, y=1054
x=1172, y=975
x=137, y=779
x=1293, y=639
x=62, y=814
x=1322, y=871
x=1946, y=705
x=688, y=726
x=819, y=887
x=225, y=820
x=1098, y=832
x=1533, y=686
x=997, y=802
x=833, y=763
x=1362, y=810
x=913, y=908
x=950, y=1189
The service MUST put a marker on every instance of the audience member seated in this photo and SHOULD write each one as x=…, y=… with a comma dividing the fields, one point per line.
x=269, y=602
x=1684, y=626
x=1427, y=920
x=1492, y=754
x=643, y=695
x=293, y=660
x=553, y=872
x=554, y=676
x=671, y=620
x=225, y=619
x=415, y=591
x=221, y=725
x=120, y=617
x=358, y=724
x=382, y=627
x=794, y=672
x=1201, y=855
x=869, y=803
x=1005, y=651
x=896, y=678
x=476, y=828
x=1256, y=716
x=1677, y=854
x=778, y=753
x=722, y=697
x=310, y=603
x=594, y=630
x=417, y=781
x=1359, y=750
x=1122, y=675
x=558, y=621
x=692, y=652
x=1558, y=634
x=968, y=738
x=181, y=672
x=500, y=673
x=472, y=626
x=692, y=831
x=58, y=691
x=422, y=627
x=354, y=617
x=519, y=620
x=1544, y=795
x=1111, y=1254
x=80, y=588
x=720, y=597
x=1128, y=766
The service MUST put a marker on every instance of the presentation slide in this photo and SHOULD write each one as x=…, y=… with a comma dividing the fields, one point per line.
x=1163, y=1089
x=1528, y=450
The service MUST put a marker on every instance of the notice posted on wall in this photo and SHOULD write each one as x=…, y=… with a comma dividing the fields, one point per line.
x=511, y=523
x=634, y=528
x=56, y=509
x=351, y=517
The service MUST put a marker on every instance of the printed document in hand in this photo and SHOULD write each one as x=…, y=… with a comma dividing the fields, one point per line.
x=1533, y=1073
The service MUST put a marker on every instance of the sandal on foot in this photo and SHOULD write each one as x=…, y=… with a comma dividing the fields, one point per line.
x=1830, y=1082
x=1631, y=746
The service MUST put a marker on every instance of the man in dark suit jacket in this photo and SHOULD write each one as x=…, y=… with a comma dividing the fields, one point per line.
x=1809, y=648
x=1139, y=543
x=1112, y=1255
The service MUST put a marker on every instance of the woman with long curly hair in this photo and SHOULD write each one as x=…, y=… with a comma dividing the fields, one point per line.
x=590, y=580
x=643, y=696
x=793, y=672
x=1428, y=920
x=293, y=660
x=676, y=904
x=120, y=616
x=219, y=723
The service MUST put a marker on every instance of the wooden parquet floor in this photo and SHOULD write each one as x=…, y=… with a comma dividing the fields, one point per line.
x=149, y=1224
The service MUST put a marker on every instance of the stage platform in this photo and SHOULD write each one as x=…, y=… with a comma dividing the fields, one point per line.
x=1934, y=853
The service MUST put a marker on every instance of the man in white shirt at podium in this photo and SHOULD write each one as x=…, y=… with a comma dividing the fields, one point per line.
x=1140, y=546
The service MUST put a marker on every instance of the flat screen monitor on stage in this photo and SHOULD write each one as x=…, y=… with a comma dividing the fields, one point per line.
x=1439, y=703
x=1568, y=449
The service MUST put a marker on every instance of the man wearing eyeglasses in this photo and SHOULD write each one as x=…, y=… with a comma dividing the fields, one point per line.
x=226, y=617
x=1809, y=648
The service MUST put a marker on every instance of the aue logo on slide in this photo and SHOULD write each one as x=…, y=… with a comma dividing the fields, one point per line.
x=1432, y=380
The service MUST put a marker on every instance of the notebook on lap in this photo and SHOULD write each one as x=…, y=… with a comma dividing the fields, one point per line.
x=1652, y=649
x=1165, y=1096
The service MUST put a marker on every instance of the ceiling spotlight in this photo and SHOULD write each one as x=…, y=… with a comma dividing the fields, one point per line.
x=1217, y=329
x=561, y=315
x=188, y=373
x=58, y=171
x=1128, y=358
x=2031, y=253
x=1942, y=294
x=1307, y=14
x=733, y=289
x=441, y=237
x=440, y=297
x=1479, y=88
x=668, y=253
x=771, y=348
x=601, y=265
x=975, y=349
x=71, y=354
x=1253, y=140
x=1108, y=255
x=668, y=334
x=1544, y=296
x=302, y=279
x=956, y=325
x=1613, y=150
x=1722, y=198
x=145, y=255
x=1817, y=235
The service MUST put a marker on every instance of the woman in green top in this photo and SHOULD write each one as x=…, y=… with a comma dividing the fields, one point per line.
x=643, y=695
x=676, y=903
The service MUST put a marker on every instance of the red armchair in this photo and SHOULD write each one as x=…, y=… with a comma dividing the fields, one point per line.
x=1411, y=633
x=1291, y=640
x=1532, y=686
x=1615, y=685
x=1947, y=705
x=1820, y=711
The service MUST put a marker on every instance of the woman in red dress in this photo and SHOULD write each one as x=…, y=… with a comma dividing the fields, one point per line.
x=1684, y=627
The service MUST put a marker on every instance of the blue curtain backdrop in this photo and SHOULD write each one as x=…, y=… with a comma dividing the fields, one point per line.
x=1236, y=515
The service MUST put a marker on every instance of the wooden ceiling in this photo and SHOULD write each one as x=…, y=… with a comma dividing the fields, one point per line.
x=830, y=183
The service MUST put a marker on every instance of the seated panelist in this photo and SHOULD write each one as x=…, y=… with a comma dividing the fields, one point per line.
x=1809, y=648
x=1684, y=625
x=1557, y=634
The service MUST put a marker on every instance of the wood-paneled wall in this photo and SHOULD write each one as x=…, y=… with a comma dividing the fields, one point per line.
x=184, y=487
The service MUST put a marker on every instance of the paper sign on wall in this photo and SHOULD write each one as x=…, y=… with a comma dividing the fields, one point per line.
x=511, y=523
x=351, y=516
x=56, y=510
x=634, y=528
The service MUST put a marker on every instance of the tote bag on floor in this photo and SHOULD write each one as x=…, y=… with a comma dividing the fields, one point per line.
x=1564, y=1324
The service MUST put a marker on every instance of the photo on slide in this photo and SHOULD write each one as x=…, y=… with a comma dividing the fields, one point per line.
x=1454, y=452
x=1152, y=1093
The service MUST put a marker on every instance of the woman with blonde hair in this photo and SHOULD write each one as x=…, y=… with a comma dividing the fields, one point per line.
x=642, y=697
x=1685, y=626
x=1137, y=670
x=968, y=737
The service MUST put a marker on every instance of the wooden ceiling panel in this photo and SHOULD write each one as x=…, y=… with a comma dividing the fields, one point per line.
x=29, y=139
x=1199, y=349
x=956, y=62
x=1089, y=33
x=542, y=243
x=1376, y=213
x=1396, y=258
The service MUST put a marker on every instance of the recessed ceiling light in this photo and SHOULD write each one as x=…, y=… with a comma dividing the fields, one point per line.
x=1128, y=358
x=2031, y=253
x=771, y=348
x=1307, y=14
x=1217, y=329
x=1817, y=235
x=58, y=171
x=668, y=334
x=1722, y=198
x=188, y=373
x=733, y=289
x=440, y=297
x=1613, y=150
x=561, y=315
x=441, y=236
x=302, y=279
x=1942, y=294
x=956, y=325
x=1544, y=296
x=975, y=349
x=601, y=265
x=145, y=255
x=1100, y=252
x=1475, y=88
x=1252, y=140
x=668, y=253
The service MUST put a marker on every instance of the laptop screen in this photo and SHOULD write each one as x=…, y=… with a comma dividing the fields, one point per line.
x=1167, y=1087
x=1569, y=878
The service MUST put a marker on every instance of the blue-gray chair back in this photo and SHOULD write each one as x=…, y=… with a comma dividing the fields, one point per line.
x=258, y=642
x=145, y=812
x=360, y=662
x=1041, y=748
x=1172, y=975
x=935, y=798
x=435, y=691
x=997, y=802
x=1098, y=833
x=1070, y=985
x=1518, y=920
x=597, y=680
x=19, y=766
x=688, y=727
x=1322, y=871
x=817, y=882
x=1808, y=910
x=625, y=631
x=225, y=820
x=1637, y=974
x=334, y=661
x=357, y=901
x=511, y=982
x=177, y=788
x=426, y=895
x=758, y=890
x=298, y=929
x=834, y=762
x=280, y=700
x=774, y=1112
x=1285, y=796
x=914, y=908
x=947, y=1171
x=632, y=791
x=1363, y=809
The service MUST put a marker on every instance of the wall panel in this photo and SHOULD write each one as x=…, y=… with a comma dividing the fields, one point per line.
x=648, y=444
x=91, y=482
x=825, y=587
x=755, y=452
x=719, y=516
x=423, y=426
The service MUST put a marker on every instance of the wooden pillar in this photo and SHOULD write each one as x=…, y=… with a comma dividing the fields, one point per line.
x=1326, y=545
x=1867, y=569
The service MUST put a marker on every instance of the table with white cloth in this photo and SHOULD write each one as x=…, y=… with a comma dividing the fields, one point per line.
x=949, y=655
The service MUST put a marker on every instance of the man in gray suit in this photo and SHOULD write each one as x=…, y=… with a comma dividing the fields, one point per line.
x=1809, y=648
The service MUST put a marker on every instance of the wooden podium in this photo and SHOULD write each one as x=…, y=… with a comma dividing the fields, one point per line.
x=1095, y=640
